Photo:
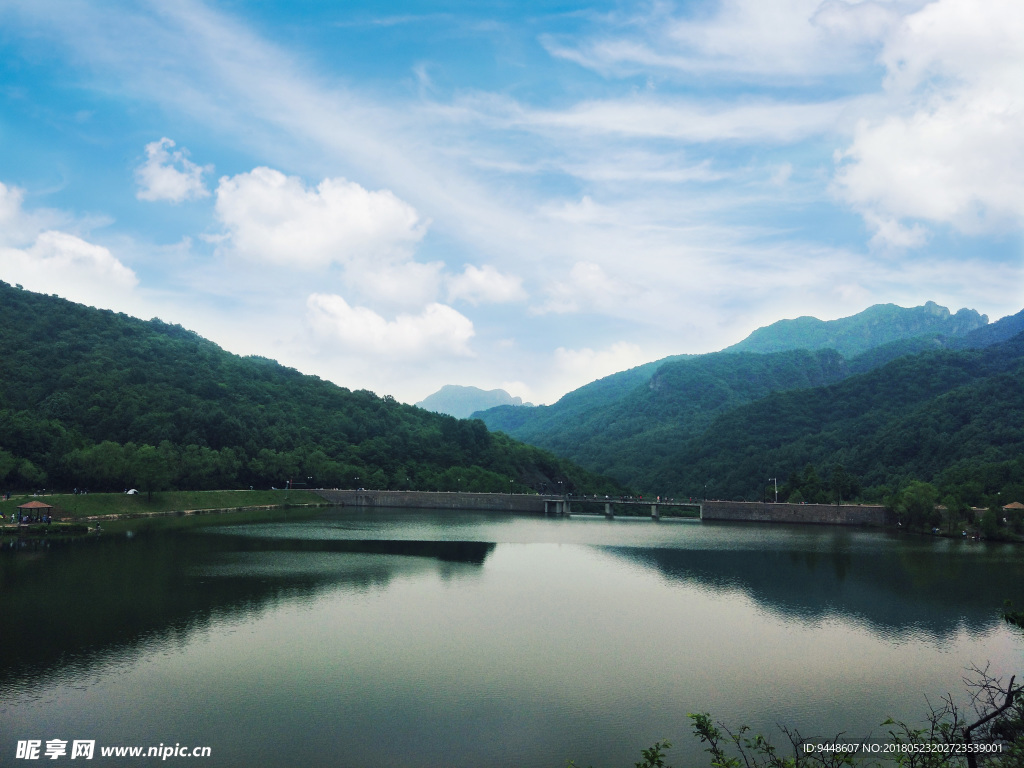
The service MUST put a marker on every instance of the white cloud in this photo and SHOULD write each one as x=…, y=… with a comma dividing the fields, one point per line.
x=69, y=267
x=171, y=176
x=890, y=231
x=586, y=211
x=11, y=199
x=672, y=265
x=587, y=287
x=653, y=116
x=19, y=227
x=437, y=330
x=575, y=367
x=51, y=261
x=781, y=174
x=953, y=154
x=753, y=39
x=278, y=219
x=486, y=284
x=408, y=285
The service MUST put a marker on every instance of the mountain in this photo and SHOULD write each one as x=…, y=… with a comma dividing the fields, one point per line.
x=955, y=418
x=462, y=402
x=102, y=400
x=892, y=330
x=587, y=399
x=646, y=427
x=854, y=335
x=619, y=428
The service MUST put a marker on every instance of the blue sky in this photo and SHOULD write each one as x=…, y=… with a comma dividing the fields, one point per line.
x=396, y=196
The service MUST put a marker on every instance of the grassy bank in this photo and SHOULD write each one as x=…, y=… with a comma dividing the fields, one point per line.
x=100, y=504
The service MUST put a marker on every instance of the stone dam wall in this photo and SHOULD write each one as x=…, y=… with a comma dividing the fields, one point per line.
x=522, y=503
x=821, y=514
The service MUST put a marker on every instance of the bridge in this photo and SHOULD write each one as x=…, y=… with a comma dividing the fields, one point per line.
x=607, y=505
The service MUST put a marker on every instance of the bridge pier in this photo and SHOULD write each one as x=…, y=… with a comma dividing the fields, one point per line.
x=608, y=510
x=654, y=512
x=558, y=507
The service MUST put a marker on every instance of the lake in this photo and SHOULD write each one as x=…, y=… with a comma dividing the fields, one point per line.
x=419, y=638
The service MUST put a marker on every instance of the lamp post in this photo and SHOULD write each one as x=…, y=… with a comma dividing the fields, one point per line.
x=510, y=486
x=776, y=481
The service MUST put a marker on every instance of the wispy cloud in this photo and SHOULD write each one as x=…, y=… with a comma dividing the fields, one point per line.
x=674, y=176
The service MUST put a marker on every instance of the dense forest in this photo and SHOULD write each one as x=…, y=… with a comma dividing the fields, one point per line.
x=945, y=406
x=94, y=399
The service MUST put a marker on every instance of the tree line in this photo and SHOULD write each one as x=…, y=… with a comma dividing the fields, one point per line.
x=90, y=398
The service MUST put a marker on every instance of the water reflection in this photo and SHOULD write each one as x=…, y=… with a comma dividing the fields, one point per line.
x=422, y=640
x=892, y=592
x=67, y=603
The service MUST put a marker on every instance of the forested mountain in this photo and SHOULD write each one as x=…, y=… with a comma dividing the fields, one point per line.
x=850, y=336
x=624, y=428
x=686, y=420
x=462, y=402
x=882, y=333
x=955, y=418
x=90, y=398
x=580, y=402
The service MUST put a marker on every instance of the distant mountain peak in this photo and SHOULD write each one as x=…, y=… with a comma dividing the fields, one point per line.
x=877, y=325
x=461, y=402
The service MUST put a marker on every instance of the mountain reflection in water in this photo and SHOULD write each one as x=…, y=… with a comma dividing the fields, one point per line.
x=64, y=604
x=950, y=591
x=407, y=637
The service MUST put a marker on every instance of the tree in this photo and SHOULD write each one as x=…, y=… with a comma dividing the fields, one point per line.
x=996, y=719
x=150, y=469
x=29, y=475
x=810, y=484
x=8, y=463
x=842, y=484
x=955, y=511
x=916, y=505
x=989, y=522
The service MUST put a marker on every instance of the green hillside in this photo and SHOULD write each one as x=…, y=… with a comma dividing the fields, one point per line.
x=876, y=335
x=90, y=398
x=953, y=418
x=539, y=420
x=621, y=434
x=686, y=420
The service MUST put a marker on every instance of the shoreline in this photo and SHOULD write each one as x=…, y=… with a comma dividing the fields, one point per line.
x=71, y=526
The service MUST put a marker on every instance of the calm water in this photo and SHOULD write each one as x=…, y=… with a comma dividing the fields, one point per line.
x=412, y=638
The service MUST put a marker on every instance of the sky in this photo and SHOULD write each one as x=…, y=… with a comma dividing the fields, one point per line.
x=525, y=195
